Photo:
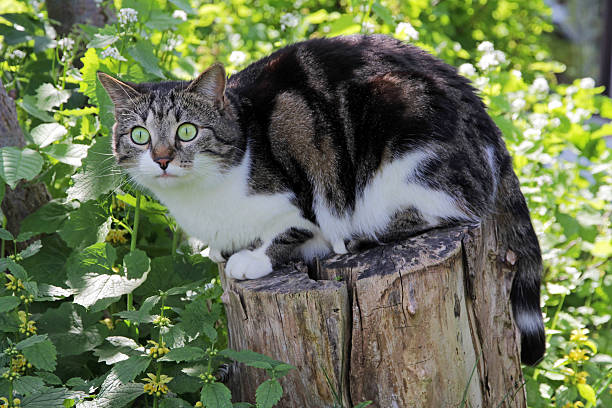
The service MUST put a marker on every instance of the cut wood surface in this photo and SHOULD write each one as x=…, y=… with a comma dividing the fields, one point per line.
x=421, y=323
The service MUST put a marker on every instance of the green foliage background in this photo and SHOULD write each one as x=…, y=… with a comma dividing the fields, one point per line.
x=112, y=307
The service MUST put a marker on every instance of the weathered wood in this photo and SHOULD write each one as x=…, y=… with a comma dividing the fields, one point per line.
x=422, y=323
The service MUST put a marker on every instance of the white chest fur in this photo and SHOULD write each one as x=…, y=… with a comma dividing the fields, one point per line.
x=225, y=215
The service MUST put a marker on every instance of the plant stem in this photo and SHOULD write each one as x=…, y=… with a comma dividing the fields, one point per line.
x=2, y=245
x=130, y=298
x=175, y=239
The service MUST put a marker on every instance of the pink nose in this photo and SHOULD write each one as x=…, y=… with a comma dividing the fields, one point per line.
x=163, y=162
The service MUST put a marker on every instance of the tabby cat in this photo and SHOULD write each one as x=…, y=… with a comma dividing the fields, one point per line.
x=320, y=146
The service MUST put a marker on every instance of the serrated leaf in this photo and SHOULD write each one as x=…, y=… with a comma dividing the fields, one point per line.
x=17, y=164
x=216, y=395
x=587, y=392
x=384, y=13
x=67, y=153
x=49, y=398
x=28, y=104
x=127, y=370
x=31, y=249
x=183, y=5
x=93, y=287
x=39, y=351
x=49, y=378
x=99, y=174
x=136, y=263
x=28, y=385
x=88, y=85
x=6, y=235
x=268, y=393
x=143, y=315
x=48, y=218
x=196, y=318
x=102, y=40
x=187, y=353
x=251, y=358
x=81, y=228
x=16, y=269
x=48, y=97
x=115, y=394
x=142, y=52
x=8, y=303
x=47, y=133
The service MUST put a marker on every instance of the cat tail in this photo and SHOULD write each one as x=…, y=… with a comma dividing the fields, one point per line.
x=517, y=235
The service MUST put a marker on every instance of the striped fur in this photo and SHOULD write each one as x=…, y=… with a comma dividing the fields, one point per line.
x=324, y=144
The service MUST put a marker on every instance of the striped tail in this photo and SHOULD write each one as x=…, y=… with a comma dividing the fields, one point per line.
x=517, y=234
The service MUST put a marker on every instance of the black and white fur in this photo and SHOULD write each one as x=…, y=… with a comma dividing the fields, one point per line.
x=323, y=144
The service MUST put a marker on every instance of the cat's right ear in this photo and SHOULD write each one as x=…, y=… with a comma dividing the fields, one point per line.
x=120, y=93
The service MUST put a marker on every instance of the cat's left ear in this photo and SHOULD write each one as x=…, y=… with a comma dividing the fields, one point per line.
x=211, y=84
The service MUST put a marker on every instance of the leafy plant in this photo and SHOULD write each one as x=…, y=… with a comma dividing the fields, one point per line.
x=109, y=306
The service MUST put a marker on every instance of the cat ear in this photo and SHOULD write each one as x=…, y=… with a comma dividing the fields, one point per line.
x=211, y=84
x=120, y=93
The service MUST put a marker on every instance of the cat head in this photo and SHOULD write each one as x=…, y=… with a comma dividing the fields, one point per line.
x=174, y=133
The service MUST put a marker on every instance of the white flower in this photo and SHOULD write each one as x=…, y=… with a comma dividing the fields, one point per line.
x=518, y=104
x=555, y=122
x=532, y=133
x=481, y=82
x=538, y=120
x=172, y=43
x=289, y=20
x=127, y=15
x=405, y=31
x=540, y=85
x=486, y=46
x=237, y=57
x=554, y=104
x=113, y=53
x=578, y=115
x=587, y=83
x=66, y=43
x=500, y=56
x=571, y=90
x=180, y=15
x=487, y=60
x=368, y=27
x=17, y=54
x=517, y=74
x=467, y=70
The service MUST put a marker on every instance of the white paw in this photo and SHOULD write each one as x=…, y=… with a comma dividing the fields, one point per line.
x=215, y=255
x=248, y=265
x=339, y=247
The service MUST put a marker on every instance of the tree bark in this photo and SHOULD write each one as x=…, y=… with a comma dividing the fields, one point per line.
x=25, y=198
x=422, y=323
x=68, y=13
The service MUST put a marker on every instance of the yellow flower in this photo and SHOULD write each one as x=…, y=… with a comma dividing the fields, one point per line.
x=158, y=350
x=13, y=284
x=579, y=335
x=581, y=377
x=578, y=354
x=19, y=364
x=116, y=236
x=108, y=322
x=156, y=385
x=27, y=327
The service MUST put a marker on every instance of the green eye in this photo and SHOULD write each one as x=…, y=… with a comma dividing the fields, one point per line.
x=187, y=132
x=140, y=135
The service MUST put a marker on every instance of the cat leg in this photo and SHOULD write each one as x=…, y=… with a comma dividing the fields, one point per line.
x=215, y=255
x=258, y=262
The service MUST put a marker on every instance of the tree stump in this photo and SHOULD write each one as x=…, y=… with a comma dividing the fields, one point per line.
x=421, y=323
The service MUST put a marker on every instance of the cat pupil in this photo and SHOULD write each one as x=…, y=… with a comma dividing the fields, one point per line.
x=331, y=143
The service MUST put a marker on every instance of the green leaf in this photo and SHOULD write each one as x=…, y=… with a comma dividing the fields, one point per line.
x=6, y=235
x=47, y=133
x=17, y=270
x=363, y=404
x=268, y=393
x=17, y=164
x=136, y=264
x=28, y=385
x=49, y=398
x=107, y=117
x=196, y=318
x=28, y=104
x=48, y=97
x=39, y=351
x=175, y=403
x=142, y=52
x=183, y=5
x=88, y=85
x=187, y=353
x=8, y=303
x=216, y=395
x=83, y=226
x=67, y=153
x=114, y=394
x=49, y=378
x=47, y=219
x=344, y=26
x=102, y=40
x=127, y=370
x=94, y=287
x=587, y=392
x=384, y=13
x=99, y=173
x=143, y=315
x=254, y=359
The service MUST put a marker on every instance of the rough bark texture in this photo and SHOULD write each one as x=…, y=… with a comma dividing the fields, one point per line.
x=422, y=323
x=68, y=13
x=24, y=199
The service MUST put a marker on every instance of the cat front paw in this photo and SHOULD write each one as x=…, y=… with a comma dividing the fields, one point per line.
x=247, y=264
x=215, y=255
